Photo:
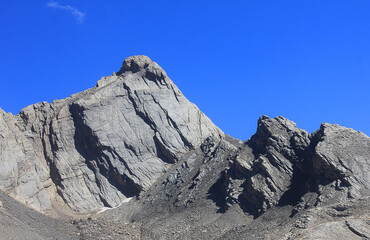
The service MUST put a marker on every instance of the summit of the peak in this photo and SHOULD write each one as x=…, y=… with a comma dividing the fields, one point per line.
x=142, y=63
x=135, y=63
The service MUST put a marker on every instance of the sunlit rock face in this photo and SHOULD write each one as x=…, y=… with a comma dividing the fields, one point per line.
x=102, y=145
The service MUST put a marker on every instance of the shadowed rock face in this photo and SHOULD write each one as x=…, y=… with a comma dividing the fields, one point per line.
x=268, y=165
x=100, y=146
x=284, y=165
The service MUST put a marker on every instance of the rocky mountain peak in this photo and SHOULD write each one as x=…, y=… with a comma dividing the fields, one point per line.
x=103, y=145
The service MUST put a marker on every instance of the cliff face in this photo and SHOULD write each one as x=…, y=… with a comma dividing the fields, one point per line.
x=135, y=135
x=100, y=146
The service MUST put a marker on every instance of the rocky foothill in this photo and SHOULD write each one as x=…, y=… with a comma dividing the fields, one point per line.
x=132, y=158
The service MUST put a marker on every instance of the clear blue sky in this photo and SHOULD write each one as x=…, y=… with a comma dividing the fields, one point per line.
x=237, y=60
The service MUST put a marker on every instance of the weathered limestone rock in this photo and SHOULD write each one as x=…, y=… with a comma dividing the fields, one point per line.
x=23, y=171
x=340, y=159
x=284, y=165
x=100, y=146
x=264, y=167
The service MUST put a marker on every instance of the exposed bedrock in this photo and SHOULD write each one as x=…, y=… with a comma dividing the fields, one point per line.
x=102, y=145
x=284, y=165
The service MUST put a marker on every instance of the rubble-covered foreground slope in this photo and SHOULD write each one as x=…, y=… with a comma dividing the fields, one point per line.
x=162, y=170
x=17, y=221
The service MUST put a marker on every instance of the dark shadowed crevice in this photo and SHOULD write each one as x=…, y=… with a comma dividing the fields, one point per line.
x=163, y=153
x=217, y=191
x=121, y=181
x=96, y=158
x=173, y=123
x=55, y=176
x=154, y=76
x=251, y=201
x=297, y=189
x=145, y=118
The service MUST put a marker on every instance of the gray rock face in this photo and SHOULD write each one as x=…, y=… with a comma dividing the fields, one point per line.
x=264, y=168
x=283, y=165
x=23, y=171
x=100, y=146
x=341, y=156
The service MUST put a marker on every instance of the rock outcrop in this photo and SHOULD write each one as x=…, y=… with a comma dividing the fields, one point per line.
x=266, y=166
x=284, y=165
x=100, y=146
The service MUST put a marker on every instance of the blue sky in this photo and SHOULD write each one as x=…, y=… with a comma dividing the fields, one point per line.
x=308, y=61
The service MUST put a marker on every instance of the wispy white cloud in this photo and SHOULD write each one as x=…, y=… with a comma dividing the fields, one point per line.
x=80, y=16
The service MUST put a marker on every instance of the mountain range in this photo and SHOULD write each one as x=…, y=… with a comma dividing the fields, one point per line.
x=132, y=158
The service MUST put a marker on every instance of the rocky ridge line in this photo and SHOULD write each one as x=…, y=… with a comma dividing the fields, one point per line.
x=284, y=165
